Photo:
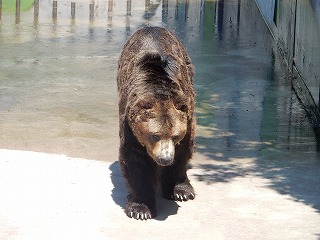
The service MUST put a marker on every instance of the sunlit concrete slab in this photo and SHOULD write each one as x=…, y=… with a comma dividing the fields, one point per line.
x=45, y=196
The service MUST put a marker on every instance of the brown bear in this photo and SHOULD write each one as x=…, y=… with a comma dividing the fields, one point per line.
x=156, y=104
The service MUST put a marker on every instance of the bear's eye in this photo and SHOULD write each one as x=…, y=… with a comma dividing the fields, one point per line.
x=183, y=108
x=155, y=137
x=175, y=138
x=145, y=105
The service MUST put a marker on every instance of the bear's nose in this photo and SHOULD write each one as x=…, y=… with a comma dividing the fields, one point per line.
x=165, y=161
x=165, y=152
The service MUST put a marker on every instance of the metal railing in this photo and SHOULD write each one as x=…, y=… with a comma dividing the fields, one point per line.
x=91, y=9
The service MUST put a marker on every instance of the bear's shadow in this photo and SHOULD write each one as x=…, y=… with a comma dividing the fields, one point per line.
x=119, y=195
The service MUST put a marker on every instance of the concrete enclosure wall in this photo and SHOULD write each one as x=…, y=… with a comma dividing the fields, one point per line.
x=295, y=25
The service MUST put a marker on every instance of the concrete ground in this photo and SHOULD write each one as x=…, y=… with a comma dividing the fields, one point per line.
x=256, y=170
x=45, y=196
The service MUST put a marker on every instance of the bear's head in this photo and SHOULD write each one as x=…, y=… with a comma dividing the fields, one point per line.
x=159, y=126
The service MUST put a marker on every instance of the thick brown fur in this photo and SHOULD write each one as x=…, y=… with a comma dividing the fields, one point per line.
x=156, y=104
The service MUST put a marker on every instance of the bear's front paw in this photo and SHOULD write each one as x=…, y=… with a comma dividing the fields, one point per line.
x=138, y=211
x=183, y=192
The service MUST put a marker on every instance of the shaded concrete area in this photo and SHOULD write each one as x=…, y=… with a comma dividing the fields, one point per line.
x=256, y=170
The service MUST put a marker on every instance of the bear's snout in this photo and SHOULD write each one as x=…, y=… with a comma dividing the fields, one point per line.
x=164, y=152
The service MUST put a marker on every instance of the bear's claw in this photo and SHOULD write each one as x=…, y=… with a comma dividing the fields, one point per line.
x=138, y=211
x=183, y=192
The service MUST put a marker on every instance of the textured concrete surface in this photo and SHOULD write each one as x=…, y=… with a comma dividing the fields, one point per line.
x=55, y=197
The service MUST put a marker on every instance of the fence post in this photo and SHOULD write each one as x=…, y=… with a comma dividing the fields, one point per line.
x=110, y=6
x=36, y=10
x=73, y=10
x=18, y=4
x=129, y=7
x=91, y=11
x=54, y=10
x=147, y=5
x=0, y=9
x=147, y=9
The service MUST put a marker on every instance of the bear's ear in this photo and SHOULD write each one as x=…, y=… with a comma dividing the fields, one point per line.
x=153, y=60
x=150, y=59
x=170, y=65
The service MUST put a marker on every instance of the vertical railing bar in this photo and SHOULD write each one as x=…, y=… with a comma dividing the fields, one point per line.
x=91, y=11
x=18, y=4
x=0, y=9
x=129, y=7
x=55, y=10
x=36, y=10
x=73, y=10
